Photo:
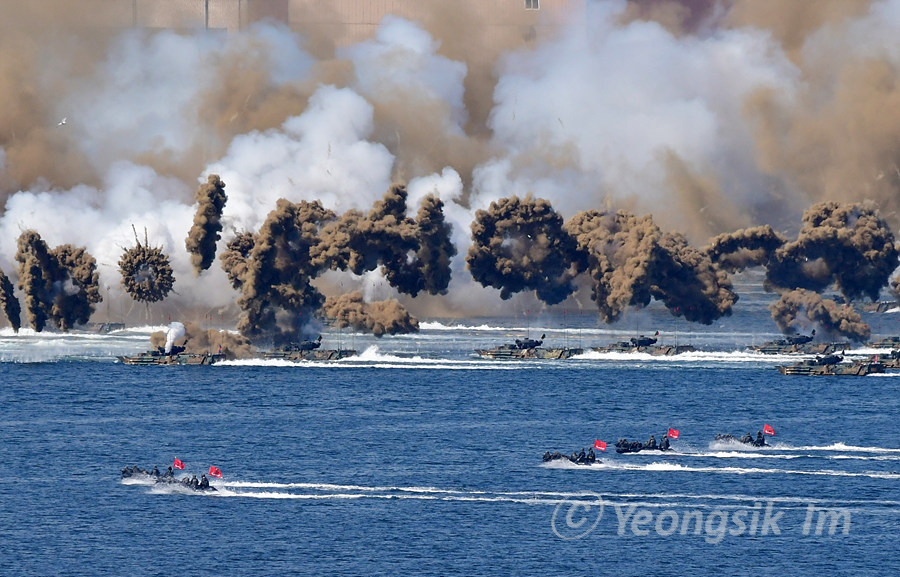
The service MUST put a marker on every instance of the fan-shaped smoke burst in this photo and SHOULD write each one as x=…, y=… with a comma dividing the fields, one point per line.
x=616, y=250
x=146, y=273
x=435, y=247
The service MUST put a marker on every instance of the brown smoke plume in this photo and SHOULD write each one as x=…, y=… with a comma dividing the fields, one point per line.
x=688, y=282
x=386, y=236
x=741, y=249
x=204, y=234
x=616, y=250
x=631, y=261
x=235, y=259
x=79, y=284
x=435, y=247
x=274, y=275
x=146, y=273
x=274, y=268
x=379, y=318
x=415, y=254
x=848, y=244
x=34, y=268
x=521, y=244
x=10, y=303
x=197, y=340
x=60, y=285
x=827, y=314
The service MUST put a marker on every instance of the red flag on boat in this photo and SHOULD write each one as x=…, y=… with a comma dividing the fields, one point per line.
x=598, y=444
x=178, y=464
x=215, y=472
x=673, y=433
x=767, y=429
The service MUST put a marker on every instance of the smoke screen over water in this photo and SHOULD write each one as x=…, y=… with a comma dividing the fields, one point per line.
x=641, y=151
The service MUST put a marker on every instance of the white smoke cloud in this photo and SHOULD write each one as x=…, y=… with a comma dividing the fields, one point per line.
x=175, y=332
x=592, y=113
x=101, y=221
x=321, y=154
x=587, y=115
x=148, y=94
x=401, y=65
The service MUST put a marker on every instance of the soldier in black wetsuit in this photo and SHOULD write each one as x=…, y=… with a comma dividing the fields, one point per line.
x=204, y=482
x=664, y=444
x=760, y=440
x=651, y=443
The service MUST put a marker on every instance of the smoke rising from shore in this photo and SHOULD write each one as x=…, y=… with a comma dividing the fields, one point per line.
x=832, y=318
x=379, y=318
x=707, y=116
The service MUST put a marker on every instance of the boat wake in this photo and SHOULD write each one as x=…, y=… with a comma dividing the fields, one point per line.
x=741, y=357
x=347, y=492
x=373, y=358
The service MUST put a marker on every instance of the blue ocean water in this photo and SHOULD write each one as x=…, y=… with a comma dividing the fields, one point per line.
x=417, y=458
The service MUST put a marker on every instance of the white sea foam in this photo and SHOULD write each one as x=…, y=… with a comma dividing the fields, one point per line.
x=677, y=467
x=332, y=491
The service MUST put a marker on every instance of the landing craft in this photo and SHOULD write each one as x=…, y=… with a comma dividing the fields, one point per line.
x=528, y=349
x=831, y=365
x=799, y=344
x=308, y=351
x=176, y=356
x=644, y=344
x=885, y=343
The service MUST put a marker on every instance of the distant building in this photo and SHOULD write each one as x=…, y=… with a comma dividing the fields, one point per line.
x=343, y=22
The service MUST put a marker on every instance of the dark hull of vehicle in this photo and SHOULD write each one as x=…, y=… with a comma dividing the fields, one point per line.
x=655, y=350
x=885, y=343
x=155, y=358
x=880, y=306
x=558, y=457
x=534, y=353
x=311, y=355
x=859, y=369
x=805, y=348
x=626, y=450
x=171, y=481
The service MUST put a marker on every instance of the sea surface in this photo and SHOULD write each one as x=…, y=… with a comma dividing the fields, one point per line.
x=419, y=458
